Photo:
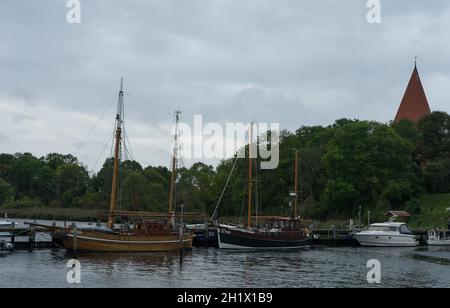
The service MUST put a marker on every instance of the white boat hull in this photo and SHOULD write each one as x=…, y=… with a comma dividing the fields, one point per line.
x=394, y=240
x=438, y=242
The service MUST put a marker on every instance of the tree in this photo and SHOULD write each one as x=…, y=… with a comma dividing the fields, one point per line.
x=54, y=160
x=366, y=162
x=134, y=192
x=435, y=130
x=72, y=181
x=6, y=192
x=31, y=177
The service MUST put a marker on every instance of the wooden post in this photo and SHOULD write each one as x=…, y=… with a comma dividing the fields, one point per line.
x=75, y=239
x=13, y=239
x=31, y=238
x=207, y=236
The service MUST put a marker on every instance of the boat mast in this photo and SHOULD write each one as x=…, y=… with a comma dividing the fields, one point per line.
x=174, y=168
x=296, y=185
x=118, y=139
x=250, y=176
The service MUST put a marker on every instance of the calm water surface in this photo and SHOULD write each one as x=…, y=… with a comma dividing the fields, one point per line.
x=203, y=268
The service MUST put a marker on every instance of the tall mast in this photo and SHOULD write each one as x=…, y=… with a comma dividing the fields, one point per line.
x=296, y=185
x=250, y=176
x=118, y=139
x=174, y=166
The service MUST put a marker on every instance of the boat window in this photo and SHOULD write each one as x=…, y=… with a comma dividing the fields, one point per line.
x=404, y=230
x=383, y=228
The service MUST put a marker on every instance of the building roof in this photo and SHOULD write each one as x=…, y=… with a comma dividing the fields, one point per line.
x=397, y=214
x=414, y=104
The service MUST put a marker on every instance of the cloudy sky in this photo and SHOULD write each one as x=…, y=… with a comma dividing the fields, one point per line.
x=295, y=62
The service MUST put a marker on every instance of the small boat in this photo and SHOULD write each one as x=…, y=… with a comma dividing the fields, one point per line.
x=143, y=232
x=5, y=246
x=277, y=233
x=388, y=234
x=437, y=238
x=6, y=223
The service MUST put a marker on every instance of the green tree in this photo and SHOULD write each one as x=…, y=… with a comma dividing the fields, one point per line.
x=435, y=130
x=6, y=192
x=366, y=162
x=73, y=182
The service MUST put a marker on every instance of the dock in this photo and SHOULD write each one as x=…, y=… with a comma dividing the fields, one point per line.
x=10, y=234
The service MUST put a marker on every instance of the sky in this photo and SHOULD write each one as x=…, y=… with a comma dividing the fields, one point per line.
x=292, y=62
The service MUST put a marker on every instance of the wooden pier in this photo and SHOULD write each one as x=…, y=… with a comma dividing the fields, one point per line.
x=12, y=233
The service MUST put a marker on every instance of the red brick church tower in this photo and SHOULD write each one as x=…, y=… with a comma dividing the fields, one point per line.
x=414, y=104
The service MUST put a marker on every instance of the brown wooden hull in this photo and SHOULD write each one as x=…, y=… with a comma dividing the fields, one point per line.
x=100, y=242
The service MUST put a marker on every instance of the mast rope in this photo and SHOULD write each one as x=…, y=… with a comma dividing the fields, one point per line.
x=101, y=154
x=93, y=128
x=148, y=104
x=225, y=188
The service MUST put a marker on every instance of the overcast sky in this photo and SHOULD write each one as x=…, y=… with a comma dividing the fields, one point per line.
x=294, y=62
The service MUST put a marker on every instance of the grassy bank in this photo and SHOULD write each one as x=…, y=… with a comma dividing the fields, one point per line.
x=433, y=211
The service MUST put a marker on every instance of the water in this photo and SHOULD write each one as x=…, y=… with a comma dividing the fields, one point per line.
x=205, y=268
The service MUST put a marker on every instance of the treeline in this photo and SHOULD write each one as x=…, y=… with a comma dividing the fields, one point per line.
x=343, y=167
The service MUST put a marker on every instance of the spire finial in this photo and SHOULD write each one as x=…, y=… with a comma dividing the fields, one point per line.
x=415, y=60
x=121, y=84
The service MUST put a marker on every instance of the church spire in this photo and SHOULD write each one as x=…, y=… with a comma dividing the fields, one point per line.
x=414, y=104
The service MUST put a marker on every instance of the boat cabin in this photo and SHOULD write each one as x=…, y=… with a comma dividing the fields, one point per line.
x=281, y=223
x=153, y=227
x=399, y=228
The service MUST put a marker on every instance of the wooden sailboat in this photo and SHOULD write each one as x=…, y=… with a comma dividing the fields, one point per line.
x=273, y=232
x=145, y=233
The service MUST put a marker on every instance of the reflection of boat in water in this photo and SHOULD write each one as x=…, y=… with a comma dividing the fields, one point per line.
x=389, y=234
x=274, y=233
x=437, y=238
x=143, y=232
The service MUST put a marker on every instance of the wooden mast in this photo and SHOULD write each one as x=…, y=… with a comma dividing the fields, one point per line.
x=296, y=185
x=250, y=176
x=174, y=168
x=118, y=139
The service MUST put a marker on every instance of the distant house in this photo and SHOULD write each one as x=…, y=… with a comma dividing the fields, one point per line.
x=414, y=104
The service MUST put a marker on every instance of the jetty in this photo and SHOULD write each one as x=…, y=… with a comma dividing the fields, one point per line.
x=17, y=235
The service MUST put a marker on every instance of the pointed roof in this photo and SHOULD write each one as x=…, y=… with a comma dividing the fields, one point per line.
x=414, y=104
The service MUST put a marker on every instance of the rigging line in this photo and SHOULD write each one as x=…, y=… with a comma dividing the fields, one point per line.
x=101, y=154
x=149, y=104
x=225, y=188
x=128, y=148
x=94, y=127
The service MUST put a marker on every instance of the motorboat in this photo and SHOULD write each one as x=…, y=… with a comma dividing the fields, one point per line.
x=388, y=234
x=437, y=238
x=6, y=223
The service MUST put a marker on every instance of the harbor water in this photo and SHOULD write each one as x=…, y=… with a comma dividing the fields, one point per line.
x=208, y=268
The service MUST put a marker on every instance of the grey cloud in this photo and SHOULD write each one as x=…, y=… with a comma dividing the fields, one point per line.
x=289, y=61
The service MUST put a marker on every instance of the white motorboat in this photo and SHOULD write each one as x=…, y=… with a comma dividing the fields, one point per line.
x=437, y=238
x=389, y=234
